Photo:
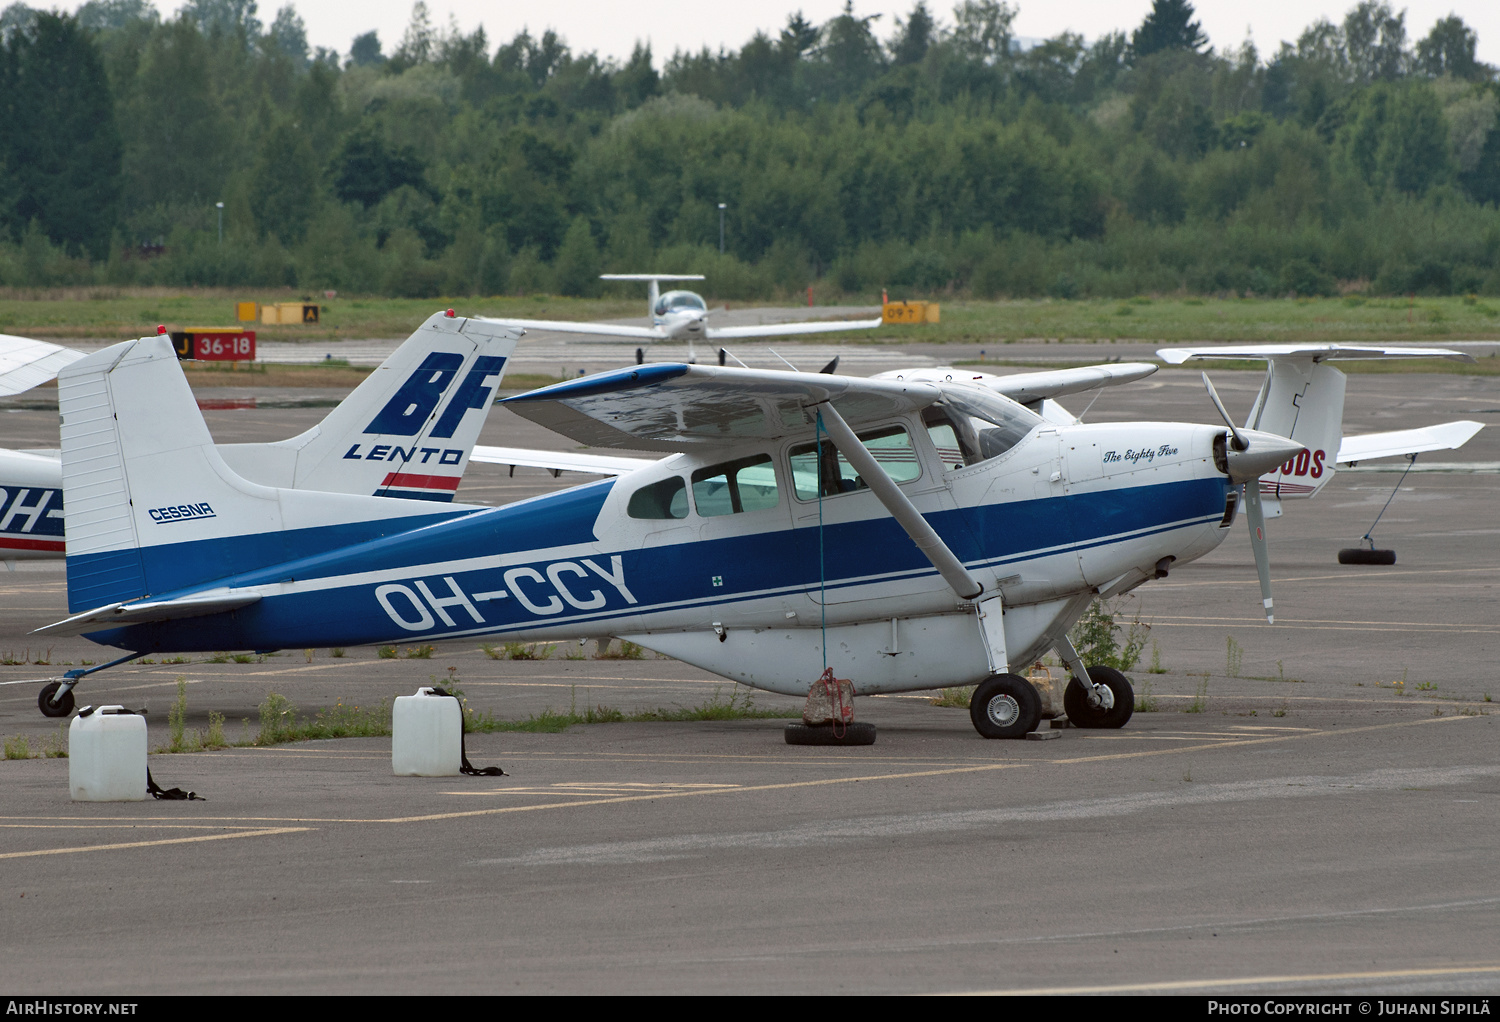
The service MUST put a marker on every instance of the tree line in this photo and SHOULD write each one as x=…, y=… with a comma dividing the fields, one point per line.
x=940, y=156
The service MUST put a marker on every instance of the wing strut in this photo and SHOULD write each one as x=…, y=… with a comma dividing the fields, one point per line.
x=901, y=509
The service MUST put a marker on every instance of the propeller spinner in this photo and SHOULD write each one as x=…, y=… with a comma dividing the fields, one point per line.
x=1250, y=454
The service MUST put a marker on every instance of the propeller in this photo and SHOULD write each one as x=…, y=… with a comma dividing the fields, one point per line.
x=1252, y=453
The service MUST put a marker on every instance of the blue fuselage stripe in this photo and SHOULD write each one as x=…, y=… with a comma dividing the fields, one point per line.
x=580, y=583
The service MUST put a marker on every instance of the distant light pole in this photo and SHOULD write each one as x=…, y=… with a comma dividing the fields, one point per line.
x=722, y=207
x=220, y=207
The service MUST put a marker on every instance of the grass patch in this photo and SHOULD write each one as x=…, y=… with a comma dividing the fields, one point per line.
x=957, y=698
x=627, y=651
x=56, y=747
x=1145, y=700
x=1199, y=701
x=551, y=721
x=518, y=651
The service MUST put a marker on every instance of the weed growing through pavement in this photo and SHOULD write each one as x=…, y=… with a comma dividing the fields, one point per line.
x=1234, y=656
x=1280, y=711
x=419, y=652
x=957, y=697
x=1426, y=686
x=552, y=721
x=386, y=652
x=1156, y=667
x=1096, y=636
x=337, y=651
x=628, y=651
x=1145, y=701
x=18, y=747
x=309, y=654
x=1200, y=698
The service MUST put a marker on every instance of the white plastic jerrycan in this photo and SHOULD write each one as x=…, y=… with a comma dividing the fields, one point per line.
x=107, y=756
x=426, y=735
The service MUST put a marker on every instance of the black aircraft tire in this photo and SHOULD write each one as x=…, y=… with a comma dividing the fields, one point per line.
x=856, y=732
x=1359, y=555
x=61, y=708
x=1005, y=706
x=1081, y=714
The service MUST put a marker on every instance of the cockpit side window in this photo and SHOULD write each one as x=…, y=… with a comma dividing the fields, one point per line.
x=661, y=500
x=747, y=484
x=827, y=472
x=997, y=423
x=955, y=443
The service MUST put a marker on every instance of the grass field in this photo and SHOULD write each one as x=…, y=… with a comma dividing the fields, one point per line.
x=104, y=313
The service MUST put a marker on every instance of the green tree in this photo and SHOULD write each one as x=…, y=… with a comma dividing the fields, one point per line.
x=914, y=36
x=285, y=184
x=1169, y=26
x=577, y=265
x=59, y=145
x=1449, y=50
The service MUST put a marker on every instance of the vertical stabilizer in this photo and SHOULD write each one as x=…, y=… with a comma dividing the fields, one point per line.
x=1304, y=401
x=152, y=507
x=406, y=431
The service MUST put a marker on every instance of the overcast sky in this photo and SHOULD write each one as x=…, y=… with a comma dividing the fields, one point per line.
x=611, y=28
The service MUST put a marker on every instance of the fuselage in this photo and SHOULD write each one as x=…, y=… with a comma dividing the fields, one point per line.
x=743, y=561
x=681, y=315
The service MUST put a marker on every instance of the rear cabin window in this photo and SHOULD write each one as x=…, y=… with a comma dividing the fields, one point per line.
x=831, y=475
x=748, y=484
x=666, y=499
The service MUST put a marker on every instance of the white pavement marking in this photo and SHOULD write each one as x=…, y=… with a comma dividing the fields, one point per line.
x=825, y=832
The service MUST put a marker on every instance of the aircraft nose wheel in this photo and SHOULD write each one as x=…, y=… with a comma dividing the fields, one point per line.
x=1082, y=714
x=1005, y=706
x=61, y=708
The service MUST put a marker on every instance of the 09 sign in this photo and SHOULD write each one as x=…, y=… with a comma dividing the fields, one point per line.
x=215, y=345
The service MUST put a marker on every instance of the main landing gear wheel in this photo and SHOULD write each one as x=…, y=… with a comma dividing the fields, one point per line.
x=1082, y=714
x=856, y=732
x=61, y=708
x=1361, y=555
x=1005, y=706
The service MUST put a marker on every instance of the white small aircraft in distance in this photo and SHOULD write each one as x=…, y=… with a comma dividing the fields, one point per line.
x=1302, y=398
x=406, y=431
x=907, y=534
x=683, y=316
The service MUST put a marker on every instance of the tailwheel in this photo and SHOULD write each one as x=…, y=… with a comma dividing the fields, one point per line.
x=1081, y=713
x=61, y=708
x=1005, y=706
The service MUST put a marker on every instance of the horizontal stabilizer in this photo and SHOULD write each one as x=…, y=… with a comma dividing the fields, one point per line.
x=651, y=276
x=116, y=615
x=1316, y=352
x=1445, y=436
x=669, y=406
x=559, y=461
x=25, y=363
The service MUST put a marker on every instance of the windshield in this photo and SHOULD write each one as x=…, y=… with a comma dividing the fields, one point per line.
x=679, y=301
x=998, y=422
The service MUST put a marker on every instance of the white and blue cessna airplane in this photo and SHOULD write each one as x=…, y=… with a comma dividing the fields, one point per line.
x=406, y=431
x=906, y=533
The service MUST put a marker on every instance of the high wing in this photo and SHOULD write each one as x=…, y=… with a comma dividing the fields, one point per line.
x=25, y=363
x=1317, y=352
x=789, y=329
x=1446, y=436
x=558, y=461
x=668, y=406
x=647, y=333
x=1031, y=389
